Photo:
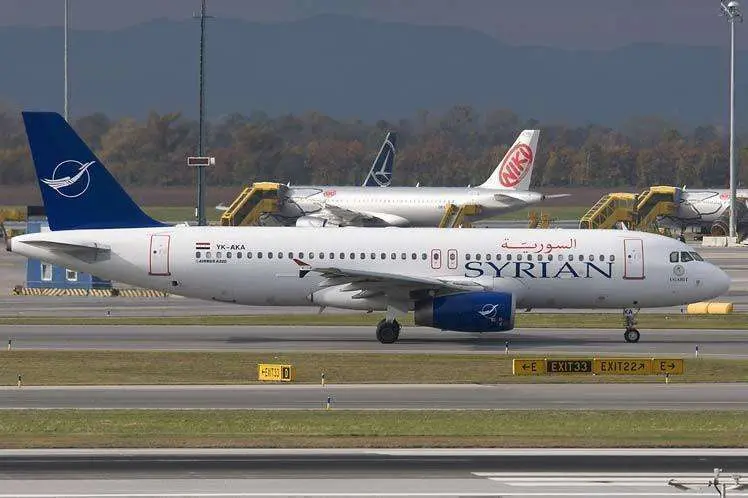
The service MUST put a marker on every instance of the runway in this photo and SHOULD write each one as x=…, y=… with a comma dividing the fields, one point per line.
x=712, y=343
x=728, y=396
x=234, y=473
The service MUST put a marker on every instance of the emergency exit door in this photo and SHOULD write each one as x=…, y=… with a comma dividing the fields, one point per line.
x=633, y=252
x=159, y=255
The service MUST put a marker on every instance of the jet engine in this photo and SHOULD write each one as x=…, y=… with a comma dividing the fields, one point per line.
x=313, y=221
x=467, y=312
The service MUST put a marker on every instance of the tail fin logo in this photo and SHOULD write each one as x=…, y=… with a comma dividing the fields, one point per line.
x=516, y=165
x=70, y=178
x=382, y=176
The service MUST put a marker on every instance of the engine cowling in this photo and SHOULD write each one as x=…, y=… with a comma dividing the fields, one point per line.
x=467, y=312
x=313, y=221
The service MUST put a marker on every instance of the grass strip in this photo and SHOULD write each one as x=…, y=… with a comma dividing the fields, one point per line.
x=737, y=321
x=168, y=367
x=390, y=429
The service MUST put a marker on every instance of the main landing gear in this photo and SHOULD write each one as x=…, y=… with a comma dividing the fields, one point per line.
x=631, y=334
x=388, y=331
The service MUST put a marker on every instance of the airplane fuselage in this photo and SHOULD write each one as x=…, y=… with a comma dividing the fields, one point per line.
x=255, y=265
x=403, y=206
x=701, y=208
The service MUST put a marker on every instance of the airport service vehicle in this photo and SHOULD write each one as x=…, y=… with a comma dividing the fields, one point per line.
x=469, y=280
x=330, y=206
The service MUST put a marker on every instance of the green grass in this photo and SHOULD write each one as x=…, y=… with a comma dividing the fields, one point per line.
x=162, y=367
x=391, y=429
x=738, y=321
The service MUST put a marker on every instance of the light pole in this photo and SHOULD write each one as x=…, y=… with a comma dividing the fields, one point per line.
x=201, y=120
x=65, y=58
x=731, y=10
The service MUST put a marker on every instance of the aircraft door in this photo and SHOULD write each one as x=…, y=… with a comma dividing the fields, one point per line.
x=436, y=259
x=159, y=255
x=633, y=259
x=452, y=259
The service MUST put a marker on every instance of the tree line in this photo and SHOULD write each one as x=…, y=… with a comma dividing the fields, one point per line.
x=456, y=147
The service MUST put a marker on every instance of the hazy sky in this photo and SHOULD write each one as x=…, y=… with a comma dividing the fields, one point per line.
x=560, y=23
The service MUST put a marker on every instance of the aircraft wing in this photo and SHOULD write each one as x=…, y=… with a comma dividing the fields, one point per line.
x=346, y=216
x=88, y=252
x=381, y=282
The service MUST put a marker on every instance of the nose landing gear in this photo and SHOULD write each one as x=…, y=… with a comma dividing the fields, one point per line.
x=631, y=334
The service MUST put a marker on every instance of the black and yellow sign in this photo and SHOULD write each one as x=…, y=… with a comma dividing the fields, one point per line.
x=568, y=366
x=662, y=366
x=622, y=366
x=276, y=372
x=598, y=366
x=528, y=366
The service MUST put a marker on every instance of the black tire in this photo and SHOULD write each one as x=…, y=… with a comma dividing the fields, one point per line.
x=388, y=332
x=631, y=335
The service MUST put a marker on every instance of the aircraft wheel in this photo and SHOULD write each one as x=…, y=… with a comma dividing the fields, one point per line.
x=388, y=332
x=631, y=335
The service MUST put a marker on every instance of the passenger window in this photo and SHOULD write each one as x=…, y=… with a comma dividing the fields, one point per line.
x=321, y=255
x=382, y=256
x=592, y=257
x=519, y=257
x=571, y=257
x=452, y=256
x=529, y=257
x=228, y=255
x=685, y=257
x=403, y=256
x=581, y=257
x=290, y=255
x=311, y=255
x=540, y=257
x=197, y=254
x=249, y=255
x=363, y=255
x=477, y=257
x=498, y=257
x=508, y=257
x=373, y=256
x=696, y=256
x=550, y=257
x=467, y=256
x=301, y=255
x=239, y=255
x=413, y=256
x=612, y=258
x=488, y=257
x=342, y=255
x=674, y=257
x=270, y=255
x=423, y=256
x=332, y=255
x=280, y=255
x=393, y=255
x=602, y=258
x=218, y=254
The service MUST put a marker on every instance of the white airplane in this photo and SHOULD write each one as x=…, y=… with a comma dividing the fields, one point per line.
x=506, y=189
x=463, y=280
x=706, y=209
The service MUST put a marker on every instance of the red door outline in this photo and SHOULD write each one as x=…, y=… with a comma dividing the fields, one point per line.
x=633, y=259
x=436, y=259
x=158, y=255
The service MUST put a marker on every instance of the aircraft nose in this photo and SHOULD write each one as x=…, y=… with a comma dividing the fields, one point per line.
x=719, y=281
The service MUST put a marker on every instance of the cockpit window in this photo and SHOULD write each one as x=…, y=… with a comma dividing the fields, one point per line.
x=696, y=256
x=674, y=257
x=685, y=257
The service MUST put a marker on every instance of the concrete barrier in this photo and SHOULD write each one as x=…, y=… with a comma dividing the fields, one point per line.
x=709, y=241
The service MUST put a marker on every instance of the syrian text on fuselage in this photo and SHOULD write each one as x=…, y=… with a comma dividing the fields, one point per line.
x=540, y=269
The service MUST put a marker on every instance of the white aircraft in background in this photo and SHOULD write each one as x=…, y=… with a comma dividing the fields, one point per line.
x=706, y=209
x=454, y=279
x=506, y=189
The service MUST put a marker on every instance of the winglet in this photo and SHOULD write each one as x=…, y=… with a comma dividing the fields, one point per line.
x=514, y=172
x=304, y=268
x=380, y=174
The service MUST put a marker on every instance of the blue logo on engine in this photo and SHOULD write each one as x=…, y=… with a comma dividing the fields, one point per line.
x=490, y=312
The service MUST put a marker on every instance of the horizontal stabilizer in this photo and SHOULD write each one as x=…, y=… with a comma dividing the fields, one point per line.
x=88, y=252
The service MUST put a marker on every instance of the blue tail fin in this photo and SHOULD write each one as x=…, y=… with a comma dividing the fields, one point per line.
x=380, y=174
x=77, y=189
